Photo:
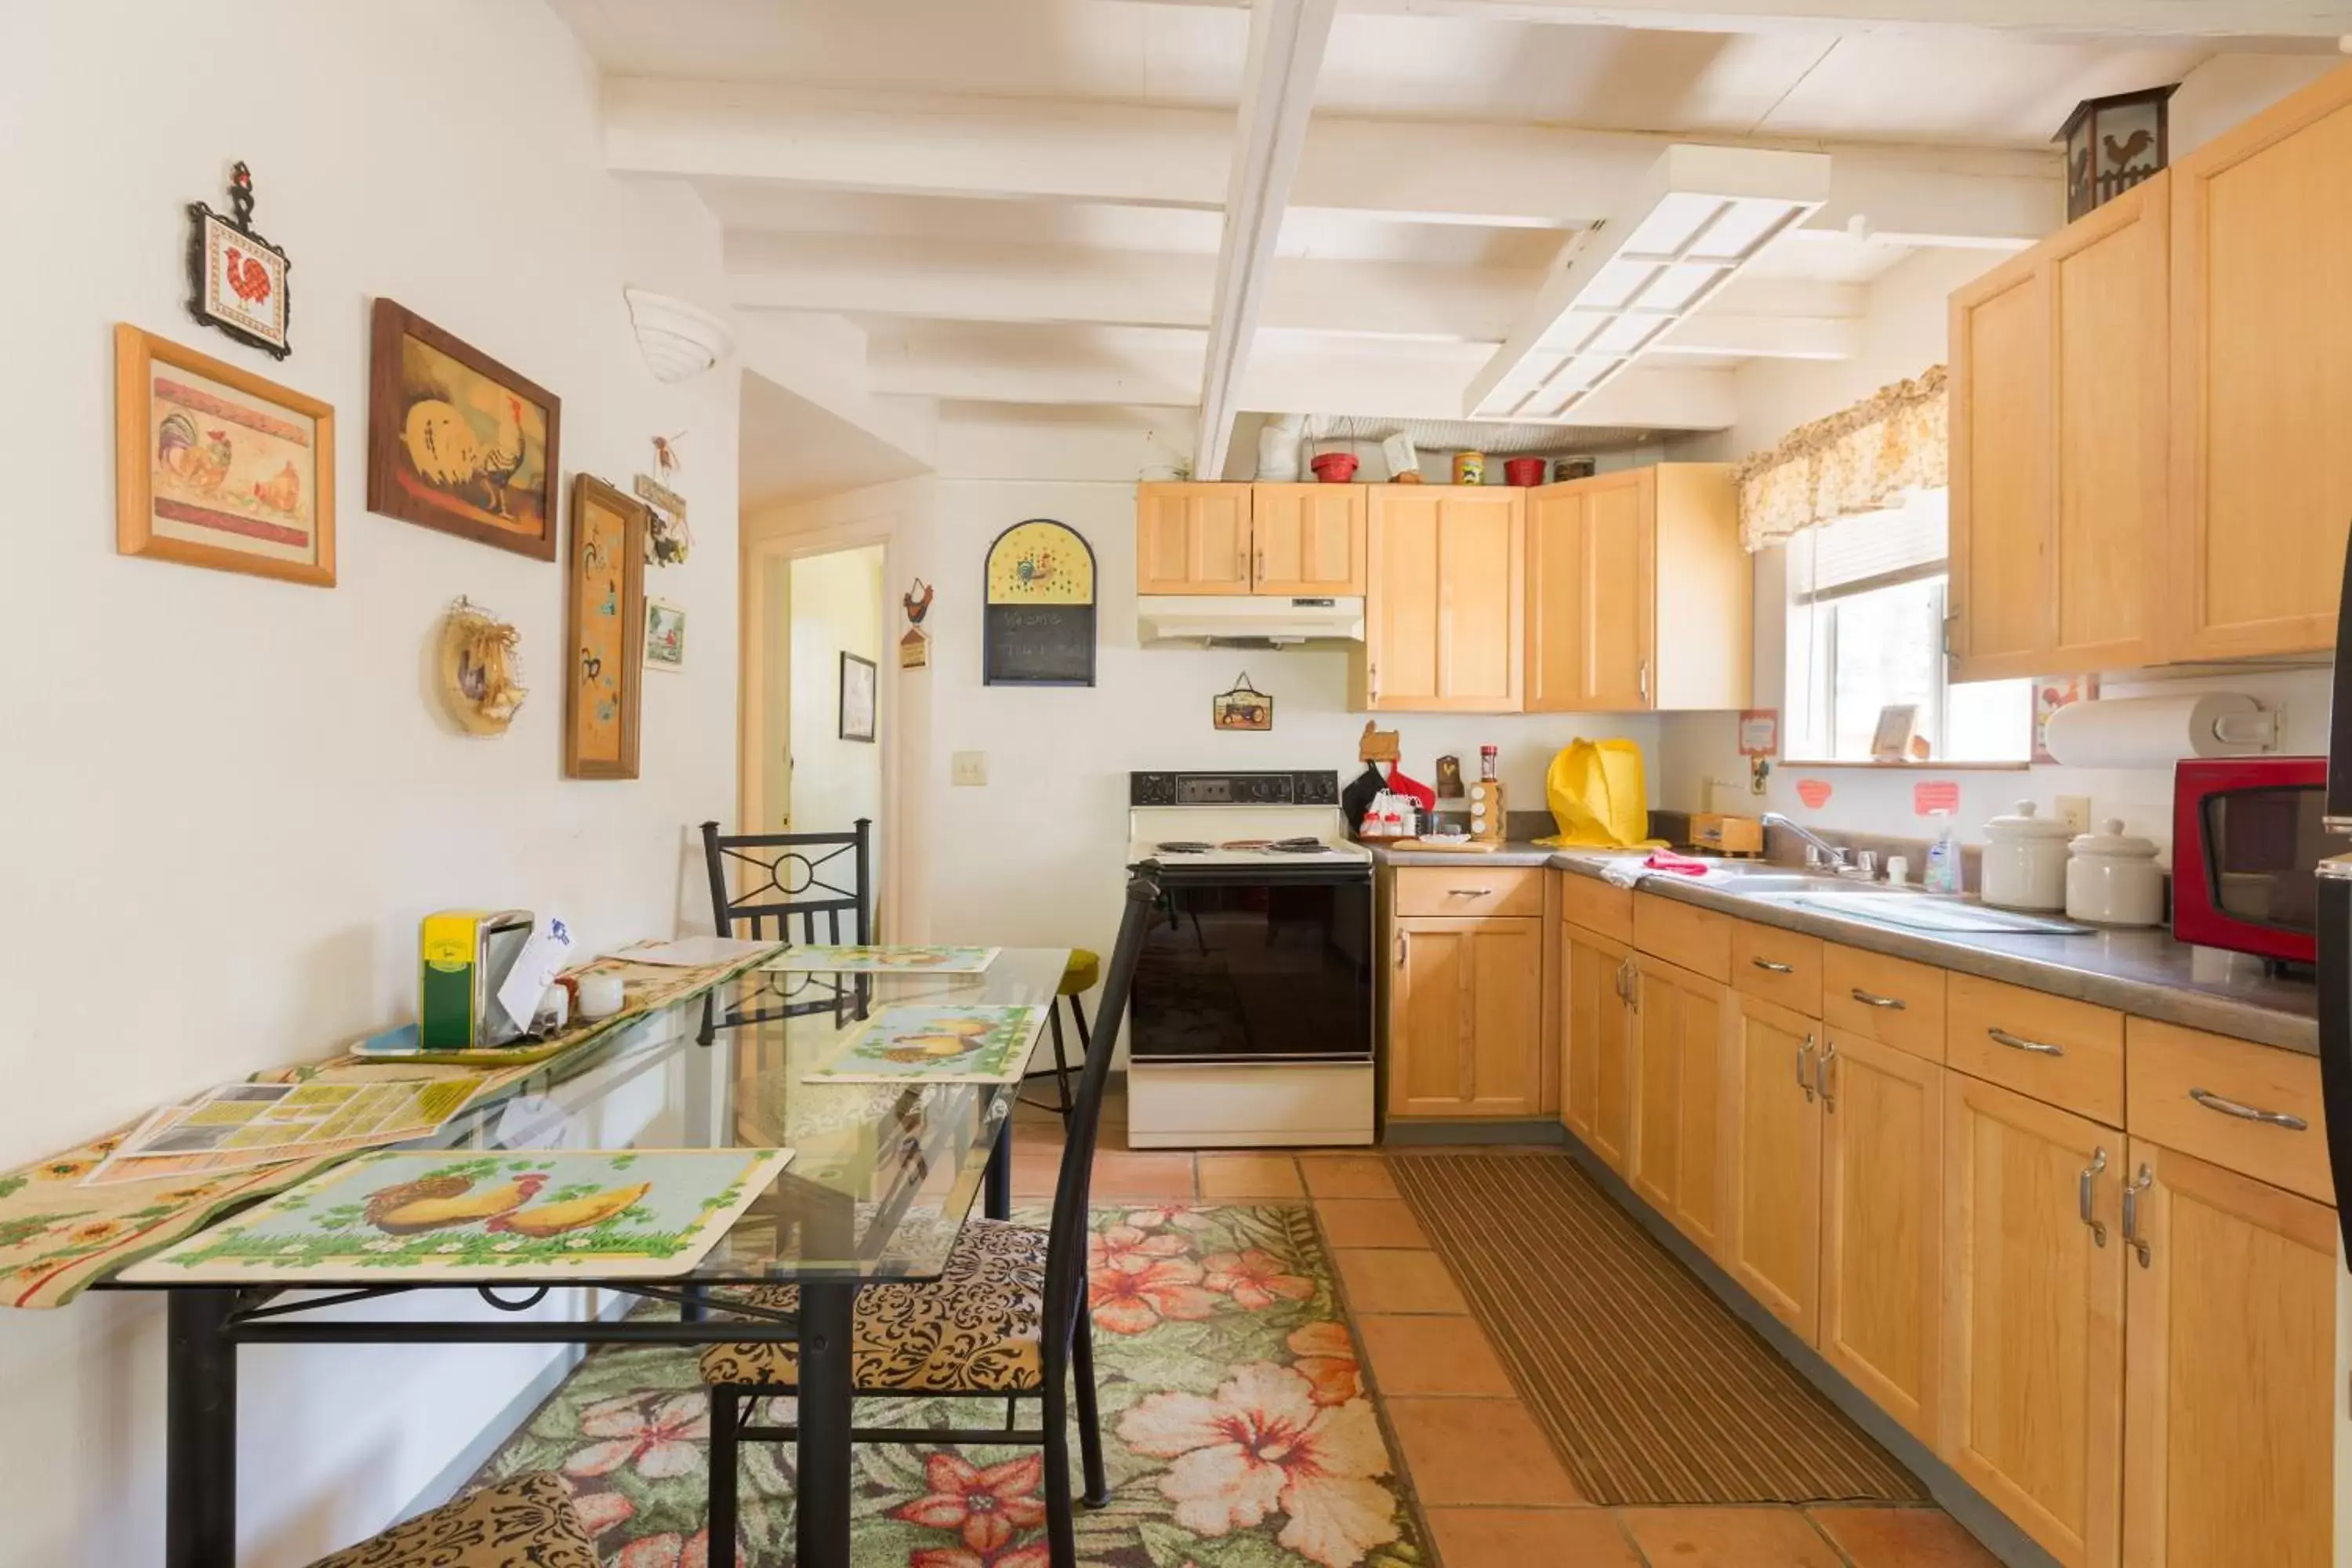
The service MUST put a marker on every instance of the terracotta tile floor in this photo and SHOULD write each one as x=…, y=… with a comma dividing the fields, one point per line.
x=1493, y=1493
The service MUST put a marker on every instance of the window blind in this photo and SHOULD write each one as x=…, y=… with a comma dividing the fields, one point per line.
x=1875, y=549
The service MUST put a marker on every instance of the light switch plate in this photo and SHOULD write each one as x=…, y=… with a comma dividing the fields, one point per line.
x=2074, y=811
x=968, y=767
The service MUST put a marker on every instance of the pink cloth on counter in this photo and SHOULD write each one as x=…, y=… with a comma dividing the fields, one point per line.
x=1680, y=865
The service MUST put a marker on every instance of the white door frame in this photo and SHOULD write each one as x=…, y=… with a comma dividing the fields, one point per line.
x=753, y=749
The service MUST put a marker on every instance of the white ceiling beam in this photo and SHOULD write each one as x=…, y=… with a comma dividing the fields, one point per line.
x=1717, y=334
x=2033, y=19
x=1285, y=56
x=1060, y=150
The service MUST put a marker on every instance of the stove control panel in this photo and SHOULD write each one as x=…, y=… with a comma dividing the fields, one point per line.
x=1311, y=788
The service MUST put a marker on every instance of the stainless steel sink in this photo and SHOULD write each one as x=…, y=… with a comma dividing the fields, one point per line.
x=1915, y=911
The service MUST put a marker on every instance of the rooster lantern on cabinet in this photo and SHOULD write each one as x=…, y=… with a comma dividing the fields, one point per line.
x=2112, y=144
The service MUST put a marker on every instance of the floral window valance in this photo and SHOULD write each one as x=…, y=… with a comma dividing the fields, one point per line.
x=1864, y=458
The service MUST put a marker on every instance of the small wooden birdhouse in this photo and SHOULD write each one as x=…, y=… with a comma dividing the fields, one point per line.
x=2112, y=144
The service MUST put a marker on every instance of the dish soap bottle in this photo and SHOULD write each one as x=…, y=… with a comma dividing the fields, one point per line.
x=1942, y=874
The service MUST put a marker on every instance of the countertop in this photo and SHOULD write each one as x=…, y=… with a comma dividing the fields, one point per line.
x=2145, y=972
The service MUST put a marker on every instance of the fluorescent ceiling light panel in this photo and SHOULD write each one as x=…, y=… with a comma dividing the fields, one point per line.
x=1697, y=217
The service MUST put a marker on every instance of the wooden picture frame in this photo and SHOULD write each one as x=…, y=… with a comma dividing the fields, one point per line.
x=215, y=466
x=604, y=630
x=861, y=698
x=449, y=428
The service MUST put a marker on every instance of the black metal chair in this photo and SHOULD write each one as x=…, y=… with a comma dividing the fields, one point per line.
x=786, y=876
x=1007, y=1319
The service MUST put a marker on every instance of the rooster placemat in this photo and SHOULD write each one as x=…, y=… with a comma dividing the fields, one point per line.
x=457, y=1215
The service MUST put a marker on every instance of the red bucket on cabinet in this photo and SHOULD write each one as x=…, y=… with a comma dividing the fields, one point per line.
x=1335, y=467
x=1523, y=471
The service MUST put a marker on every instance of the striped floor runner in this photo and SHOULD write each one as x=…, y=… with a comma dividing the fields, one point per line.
x=1649, y=1389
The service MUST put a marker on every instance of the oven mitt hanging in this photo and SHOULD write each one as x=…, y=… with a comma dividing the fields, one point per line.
x=1357, y=797
x=1423, y=796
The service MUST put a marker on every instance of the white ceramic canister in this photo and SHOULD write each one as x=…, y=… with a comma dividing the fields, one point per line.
x=2112, y=878
x=2024, y=864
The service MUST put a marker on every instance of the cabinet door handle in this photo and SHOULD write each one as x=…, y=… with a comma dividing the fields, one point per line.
x=1399, y=957
x=1894, y=1003
x=1641, y=675
x=2132, y=1190
x=1821, y=1076
x=1803, y=1082
x=1768, y=967
x=2019, y=1043
x=2085, y=1197
x=1258, y=574
x=1372, y=683
x=2212, y=1101
x=1469, y=892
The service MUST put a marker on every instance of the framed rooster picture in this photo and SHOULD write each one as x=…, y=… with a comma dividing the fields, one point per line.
x=236, y=279
x=604, y=615
x=217, y=467
x=456, y=441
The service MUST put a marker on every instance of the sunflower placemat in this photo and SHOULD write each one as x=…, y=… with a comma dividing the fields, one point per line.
x=947, y=1043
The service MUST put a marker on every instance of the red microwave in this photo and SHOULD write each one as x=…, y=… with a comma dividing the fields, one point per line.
x=2246, y=835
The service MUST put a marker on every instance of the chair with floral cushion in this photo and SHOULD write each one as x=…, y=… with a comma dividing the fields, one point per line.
x=526, y=1522
x=1007, y=1319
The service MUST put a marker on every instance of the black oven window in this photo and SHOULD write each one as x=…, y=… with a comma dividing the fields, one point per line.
x=1238, y=972
x=2260, y=846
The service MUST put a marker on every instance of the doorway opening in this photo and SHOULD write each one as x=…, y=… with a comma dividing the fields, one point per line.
x=816, y=713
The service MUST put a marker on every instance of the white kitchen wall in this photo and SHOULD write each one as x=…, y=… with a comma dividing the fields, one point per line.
x=1698, y=767
x=1035, y=856
x=228, y=800
x=837, y=604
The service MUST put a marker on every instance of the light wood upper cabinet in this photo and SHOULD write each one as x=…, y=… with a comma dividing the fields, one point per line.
x=1443, y=600
x=1772, y=1214
x=1466, y=1016
x=1306, y=541
x=2033, y=1328
x=1597, y=1042
x=1598, y=550
x=1193, y=538
x=2229, y=1430
x=2262, y=387
x=1680, y=1027
x=1883, y=1225
x=2058, y=395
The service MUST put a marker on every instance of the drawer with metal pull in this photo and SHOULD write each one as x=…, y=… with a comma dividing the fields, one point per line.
x=1684, y=935
x=1469, y=890
x=2251, y=1109
x=1893, y=1001
x=2067, y=1054
x=1783, y=967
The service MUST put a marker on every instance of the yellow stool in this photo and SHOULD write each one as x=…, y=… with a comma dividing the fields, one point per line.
x=1078, y=977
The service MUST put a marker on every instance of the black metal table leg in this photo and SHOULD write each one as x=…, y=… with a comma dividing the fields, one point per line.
x=200, y=1432
x=996, y=1190
x=824, y=1418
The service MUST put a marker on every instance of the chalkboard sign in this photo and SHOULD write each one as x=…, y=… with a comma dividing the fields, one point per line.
x=1038, y=622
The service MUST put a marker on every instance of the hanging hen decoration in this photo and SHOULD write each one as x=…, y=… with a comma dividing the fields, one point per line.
x=915, y=647
x=236, y=279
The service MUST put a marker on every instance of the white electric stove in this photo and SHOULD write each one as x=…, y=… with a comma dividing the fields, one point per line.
x=1251, y=1018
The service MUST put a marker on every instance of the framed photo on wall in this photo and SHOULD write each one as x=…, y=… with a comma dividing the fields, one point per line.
x=217, y=467
x=857, y=694
x=605, y=601
x=665, y=636
x=456, y=441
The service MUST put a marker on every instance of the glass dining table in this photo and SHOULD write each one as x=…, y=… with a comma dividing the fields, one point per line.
x=881, y=1179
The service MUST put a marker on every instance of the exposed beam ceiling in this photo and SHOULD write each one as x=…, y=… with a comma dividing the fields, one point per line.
x=1064, y=150
x=1285, y=54
x=2248, y=20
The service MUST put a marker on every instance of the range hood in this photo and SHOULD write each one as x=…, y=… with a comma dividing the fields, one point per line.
x=1247, y=620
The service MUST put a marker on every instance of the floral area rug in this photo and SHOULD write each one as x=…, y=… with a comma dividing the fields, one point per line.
x=1238, y=1431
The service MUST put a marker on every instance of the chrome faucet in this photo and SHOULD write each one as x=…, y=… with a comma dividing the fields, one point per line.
x=1835, y=855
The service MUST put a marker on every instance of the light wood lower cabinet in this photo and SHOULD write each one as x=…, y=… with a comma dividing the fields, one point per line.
x=2033, y=1331
x=1882, y=1224
x=1772, y=1218
x=2231, y=1370
x=1596, y=1018
x=1466, y=1016
x=1679, y=1031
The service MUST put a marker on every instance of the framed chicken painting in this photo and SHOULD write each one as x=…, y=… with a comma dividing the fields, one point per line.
x=456, y=441
x=604, y=614
x=217, y=467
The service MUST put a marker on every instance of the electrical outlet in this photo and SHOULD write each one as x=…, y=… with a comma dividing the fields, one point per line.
x=2074, y=811
x=970, y=767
